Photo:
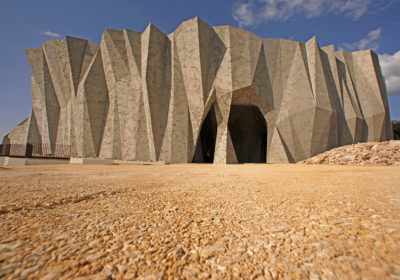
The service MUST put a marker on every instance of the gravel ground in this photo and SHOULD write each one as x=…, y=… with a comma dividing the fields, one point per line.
x=200, y=222
x=382, y=153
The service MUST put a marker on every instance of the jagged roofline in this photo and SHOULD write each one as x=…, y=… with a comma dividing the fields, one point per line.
x=145, y=95
x=227, y=26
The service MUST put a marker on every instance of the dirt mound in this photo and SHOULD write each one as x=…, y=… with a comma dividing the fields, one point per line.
x=383, y=153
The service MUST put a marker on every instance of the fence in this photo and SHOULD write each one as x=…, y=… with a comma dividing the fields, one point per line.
x=36, y=150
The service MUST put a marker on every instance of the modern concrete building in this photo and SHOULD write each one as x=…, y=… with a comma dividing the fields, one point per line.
x=201, y=94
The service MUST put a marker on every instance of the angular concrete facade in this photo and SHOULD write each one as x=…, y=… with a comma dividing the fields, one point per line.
x=203, y=94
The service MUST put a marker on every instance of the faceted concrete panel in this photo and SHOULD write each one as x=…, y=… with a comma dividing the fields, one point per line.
x=56, y=54
x=95, y=90
x=39, y=109
x=137, y=142
x=145, y=96
x=156, y=79
x=117, y=73
x=44, y=82
x=33, y=130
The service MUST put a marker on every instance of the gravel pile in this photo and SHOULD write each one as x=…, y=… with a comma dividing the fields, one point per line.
x=200, y=222
x=382, y=153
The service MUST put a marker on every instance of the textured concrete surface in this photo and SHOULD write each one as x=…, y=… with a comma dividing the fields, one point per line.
x=200, y=222
x=145, y=96
x=12, y=161
x=90, y=161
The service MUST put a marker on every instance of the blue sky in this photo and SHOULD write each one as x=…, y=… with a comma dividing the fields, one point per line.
x=348, y=24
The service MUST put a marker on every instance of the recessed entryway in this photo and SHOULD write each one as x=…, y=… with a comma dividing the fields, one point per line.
x=248, y=130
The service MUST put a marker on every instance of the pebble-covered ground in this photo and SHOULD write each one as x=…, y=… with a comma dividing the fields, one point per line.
x=200, y=222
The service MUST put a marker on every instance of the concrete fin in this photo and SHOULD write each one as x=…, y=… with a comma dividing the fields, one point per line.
x=348, y=110
x=37, y=62
x=56, y=52
x=111, y=138
x=276, y=152
x=224, y=104
x=76, y=51
x=223, y=80
x=114, y=41
x=369, y=95
x=387, y=132
x=322, y=131
x=180, y=132
x=287, y=53
x=187, y=45
x=145, y=41
x=97, y=100
x=348, y=85
x=222, y=108
x=220, y=154
x=88, y=149
x=313, y=62
x=332, y=67
x=90, y=51
x=212, y=97
x=361, y=131
x=288, y=154
x=192, y=141
x=350, y=81
x=286, y=135
x=52, y=105
x=230, y=150
x=272, y=55
x=80, y=54
x=34, y=136
x=117, y=143
x=212, y=51
x=318, y=65
x=142, y=141
x=304, y=55
x=133, y=46
x=39, y=109
x=297, y=88
x=301, y=127
x=262, y=82
x=158, y=80
x=244, y=57
x=117, y=73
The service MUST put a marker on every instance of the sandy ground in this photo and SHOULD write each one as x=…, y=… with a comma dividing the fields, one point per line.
x=200, y=222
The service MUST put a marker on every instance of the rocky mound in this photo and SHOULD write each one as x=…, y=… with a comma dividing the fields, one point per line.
x=384, y=153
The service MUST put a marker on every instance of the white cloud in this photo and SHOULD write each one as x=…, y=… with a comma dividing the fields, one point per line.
x=252, y=13
x=390, y=65
x=369, y=42
x=352, y=8
x=242, y=13
x=51, y=34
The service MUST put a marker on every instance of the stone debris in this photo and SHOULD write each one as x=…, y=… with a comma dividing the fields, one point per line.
x=381, y=153
x=200, y=222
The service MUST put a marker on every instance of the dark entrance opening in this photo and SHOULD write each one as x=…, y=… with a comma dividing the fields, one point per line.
x=248, y=131
x=206, y=143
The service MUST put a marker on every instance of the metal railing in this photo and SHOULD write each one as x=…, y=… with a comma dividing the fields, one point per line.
x=36, y=150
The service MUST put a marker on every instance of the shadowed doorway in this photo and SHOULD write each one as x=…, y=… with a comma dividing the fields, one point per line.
x=206, y=143
x=248, y=131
